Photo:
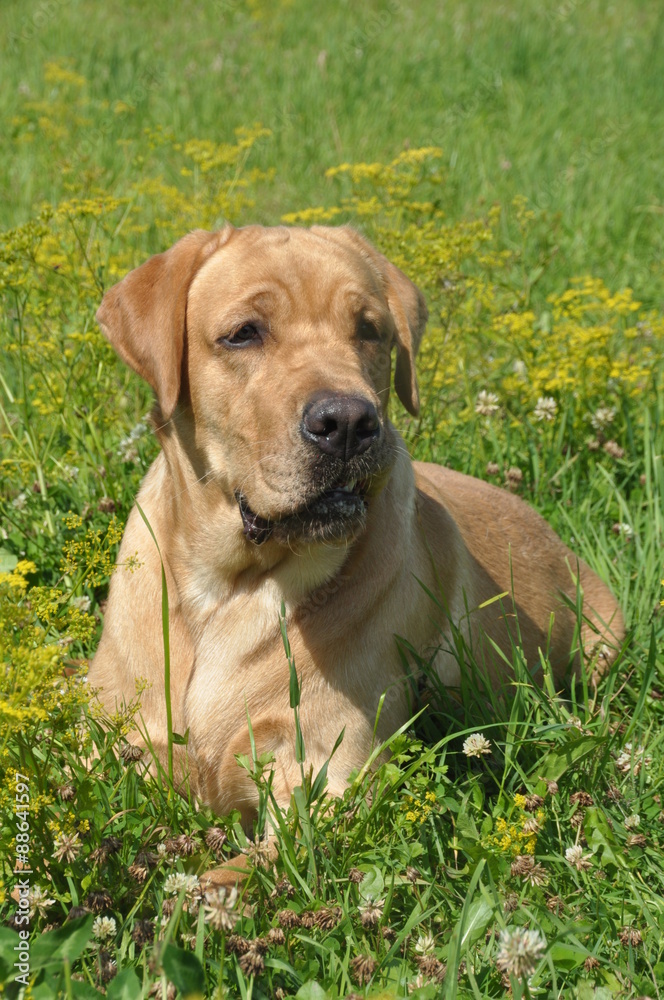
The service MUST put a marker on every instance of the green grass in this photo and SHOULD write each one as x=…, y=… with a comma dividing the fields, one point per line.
x=406, y=886
x=569, y=94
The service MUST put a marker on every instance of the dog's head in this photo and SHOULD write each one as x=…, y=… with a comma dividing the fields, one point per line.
x=274, y=345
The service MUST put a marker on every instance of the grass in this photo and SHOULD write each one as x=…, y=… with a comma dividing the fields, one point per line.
x=439, y=869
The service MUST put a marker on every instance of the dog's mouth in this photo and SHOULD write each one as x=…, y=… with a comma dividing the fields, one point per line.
x=335, y=514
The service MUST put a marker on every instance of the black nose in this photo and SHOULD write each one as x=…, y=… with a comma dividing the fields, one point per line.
x=341, y=426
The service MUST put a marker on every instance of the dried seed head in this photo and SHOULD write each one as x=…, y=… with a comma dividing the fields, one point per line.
x=533, y=803
x=531, y=825
x=362, y=968
x=289, y=919
x=635, y=840
x=613, y=449
x=215, y=838
x=511, y=903
x=514, y=478
x=492, y=469
x=522, y=865
x=591, y=963
x=630, y=936
x=282, y=887
x=108, y=967
x=142, y=932
x=99, y=900
x=328, y=917
x=130, y=753
x=576, y=819
x=537, y=875
x=186, y=845
x=260, y=945
x=237, y=945
x=582, y=799
x=252, y=962
x=355, y=875
x=431, y=968
x=111, y=845
x=388, y=934
x=66, y=793
x=276, y=936
x=76, y=912
x=412, y=874
x=157, y=991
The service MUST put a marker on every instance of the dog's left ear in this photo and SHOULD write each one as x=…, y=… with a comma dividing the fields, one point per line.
x=144, y=315
x=406, y=303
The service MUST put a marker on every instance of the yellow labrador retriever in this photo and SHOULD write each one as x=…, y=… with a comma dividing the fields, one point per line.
x=281, y=479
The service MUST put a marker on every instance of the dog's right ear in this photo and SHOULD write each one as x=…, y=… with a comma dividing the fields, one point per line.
x=144, y=315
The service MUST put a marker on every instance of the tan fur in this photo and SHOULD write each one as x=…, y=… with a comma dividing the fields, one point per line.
x=229, y=420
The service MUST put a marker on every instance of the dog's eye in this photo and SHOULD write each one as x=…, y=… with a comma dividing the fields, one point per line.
x=245, y=334
x=366, y=330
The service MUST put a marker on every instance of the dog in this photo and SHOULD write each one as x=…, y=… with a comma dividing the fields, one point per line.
x=282, y=482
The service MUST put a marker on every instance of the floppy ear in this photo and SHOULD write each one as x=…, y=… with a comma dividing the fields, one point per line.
x=144, y=315
x=407, y=306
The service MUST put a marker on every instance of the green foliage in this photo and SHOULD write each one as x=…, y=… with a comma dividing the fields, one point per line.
x=505, y=828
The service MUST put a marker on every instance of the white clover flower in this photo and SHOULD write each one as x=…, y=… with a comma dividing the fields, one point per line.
x=520, y=368
x=602, y=417
x=545, y=408
x=575, y=857
x=177, y=881
x=39, y=901
x=138, y=431
x=82, y=603
x=632, y=759
x=487, y=403
x=20, y=501
x=219, y=908
x=476, y=745
x=519, y=951
x=371, y=912
x=425, y=944
x=631, y=822
x=104, y=927
x=66, y=847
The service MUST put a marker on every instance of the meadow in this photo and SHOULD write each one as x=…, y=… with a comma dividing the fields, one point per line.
x=507, y=158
